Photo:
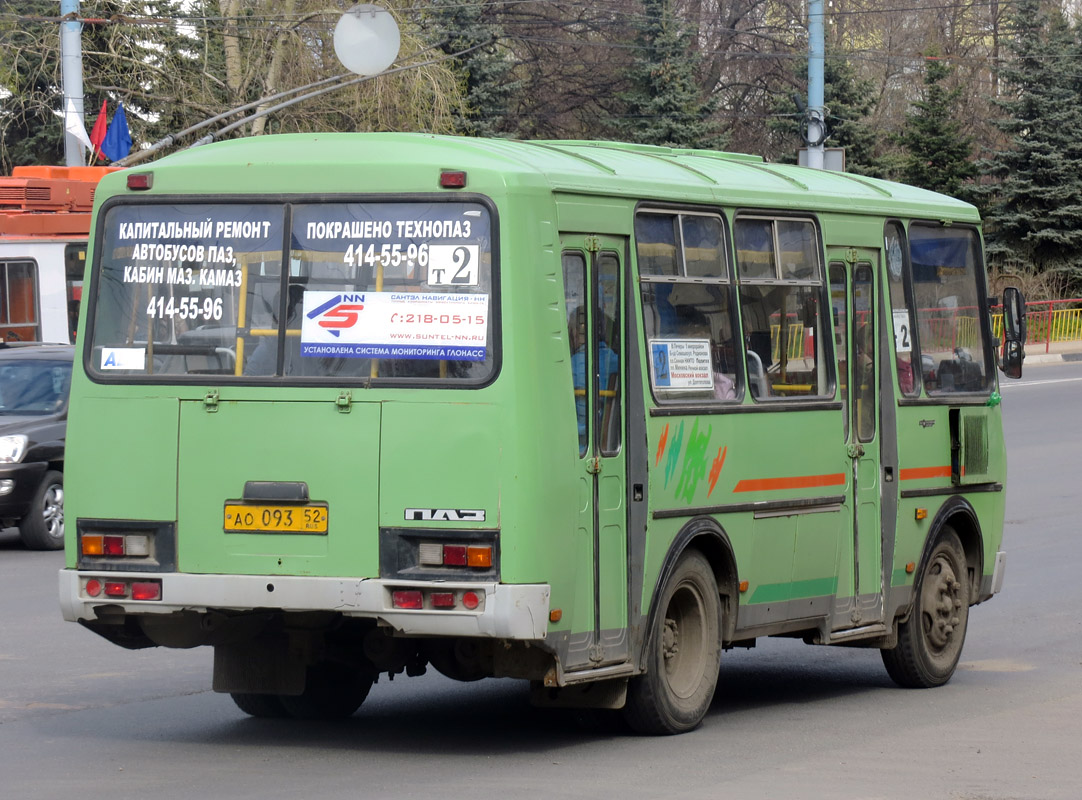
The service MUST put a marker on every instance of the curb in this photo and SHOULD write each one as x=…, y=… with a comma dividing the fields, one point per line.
x=1051, y=358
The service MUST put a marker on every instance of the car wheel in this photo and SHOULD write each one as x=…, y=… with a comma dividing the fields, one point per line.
x=43, y=526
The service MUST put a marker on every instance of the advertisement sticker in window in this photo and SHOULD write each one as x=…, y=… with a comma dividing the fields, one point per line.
x=408, y=325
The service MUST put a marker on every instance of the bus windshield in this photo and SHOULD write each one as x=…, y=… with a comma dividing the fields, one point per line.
x=386, y=292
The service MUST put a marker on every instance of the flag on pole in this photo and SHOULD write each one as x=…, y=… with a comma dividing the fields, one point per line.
x=74, y=125
x=117, y=142
x=97, y=133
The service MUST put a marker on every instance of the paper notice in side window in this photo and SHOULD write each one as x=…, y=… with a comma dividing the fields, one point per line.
x=681, y=364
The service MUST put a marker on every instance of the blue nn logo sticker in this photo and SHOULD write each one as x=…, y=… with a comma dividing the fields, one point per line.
x=341, y=311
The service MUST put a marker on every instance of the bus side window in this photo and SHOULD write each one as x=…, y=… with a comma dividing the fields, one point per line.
x=839, y=293
x=74, y=267
x=686, y=295
x=781, y=288
x=905, y=350
x=19, y=301
x=574, y=267
x=952, y=328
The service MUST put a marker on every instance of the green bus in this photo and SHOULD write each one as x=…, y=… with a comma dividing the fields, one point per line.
x=581, y=413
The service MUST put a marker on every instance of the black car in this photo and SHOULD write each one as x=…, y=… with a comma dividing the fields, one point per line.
x=34, y=384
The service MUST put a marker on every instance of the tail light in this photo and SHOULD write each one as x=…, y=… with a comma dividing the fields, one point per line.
x=123, y=588
x=407, y=599
x=439, y=600
x=437, y=554
x=132, y=545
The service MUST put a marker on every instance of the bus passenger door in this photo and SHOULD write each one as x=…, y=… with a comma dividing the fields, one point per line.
x=859, y=600
x=593, y=276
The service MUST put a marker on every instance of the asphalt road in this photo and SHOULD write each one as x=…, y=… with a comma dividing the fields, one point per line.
x=82, y=718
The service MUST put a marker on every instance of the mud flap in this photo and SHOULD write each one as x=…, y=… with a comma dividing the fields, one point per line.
x=265, y=665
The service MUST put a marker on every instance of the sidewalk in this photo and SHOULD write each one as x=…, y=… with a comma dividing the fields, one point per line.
x=1052, y=353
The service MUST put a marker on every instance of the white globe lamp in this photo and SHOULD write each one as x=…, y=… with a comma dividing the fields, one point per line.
x=366, y=39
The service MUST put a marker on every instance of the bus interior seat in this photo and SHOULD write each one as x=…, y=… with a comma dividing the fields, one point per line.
x=759, y=343
x=757, y=381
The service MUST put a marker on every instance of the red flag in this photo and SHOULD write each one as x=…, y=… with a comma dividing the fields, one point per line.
x=97, y=136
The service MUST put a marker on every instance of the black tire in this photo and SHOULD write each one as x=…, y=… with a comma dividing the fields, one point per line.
x=456, y=659
x=43, y=526
x=260, y=705
x=674, y=693
x=930, y=641
x=331, y=691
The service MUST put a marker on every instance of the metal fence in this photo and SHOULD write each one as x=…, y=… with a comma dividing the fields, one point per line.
x=1048, y=322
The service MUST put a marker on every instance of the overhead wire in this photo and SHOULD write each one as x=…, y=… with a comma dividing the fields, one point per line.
x=604, y=16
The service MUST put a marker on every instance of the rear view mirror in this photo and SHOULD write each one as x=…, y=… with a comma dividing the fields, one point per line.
x=1014, y=333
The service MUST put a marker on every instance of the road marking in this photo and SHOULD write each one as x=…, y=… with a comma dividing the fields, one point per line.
x=1003, y=386
x=996, y=665
x=6, y=704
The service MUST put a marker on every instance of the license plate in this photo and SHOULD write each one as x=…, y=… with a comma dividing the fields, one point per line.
x=248, y=518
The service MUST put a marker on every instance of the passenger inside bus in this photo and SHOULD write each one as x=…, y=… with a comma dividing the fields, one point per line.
x=695, y=325
x=264, y=358
x=607, y=368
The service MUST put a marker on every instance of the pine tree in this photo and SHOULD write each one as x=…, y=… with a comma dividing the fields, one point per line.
x=1033, y=207
x=30, y=130
x=121, y=63
x=665, y=105
x=937, y=151
x=486, y=73
x=850, y=102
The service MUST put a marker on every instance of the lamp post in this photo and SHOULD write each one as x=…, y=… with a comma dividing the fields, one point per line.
x=71, y=69
x=815, y=129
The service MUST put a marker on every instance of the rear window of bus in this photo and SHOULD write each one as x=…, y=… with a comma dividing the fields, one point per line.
x=383, y=292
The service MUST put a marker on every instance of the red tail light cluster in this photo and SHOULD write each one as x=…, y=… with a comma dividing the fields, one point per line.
x=419, y=599
x=132, y=545
x=437, y=554
x=123, y=589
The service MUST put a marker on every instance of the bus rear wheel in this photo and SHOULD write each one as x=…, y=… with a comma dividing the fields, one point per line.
x=674, y=693
x=930, y=641
x=267, y=706
x=331, y=691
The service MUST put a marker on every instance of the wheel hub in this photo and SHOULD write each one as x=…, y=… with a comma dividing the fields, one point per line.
x=53, y=512
x=670, y=639
x=942, y=602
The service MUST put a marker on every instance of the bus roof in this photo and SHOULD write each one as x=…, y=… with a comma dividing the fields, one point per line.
x=409, y=160
x=48, y=202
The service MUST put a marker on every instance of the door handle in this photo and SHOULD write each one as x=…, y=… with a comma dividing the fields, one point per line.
x=856, y=450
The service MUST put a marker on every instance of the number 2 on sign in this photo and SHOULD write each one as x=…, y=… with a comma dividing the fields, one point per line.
x=453, y=264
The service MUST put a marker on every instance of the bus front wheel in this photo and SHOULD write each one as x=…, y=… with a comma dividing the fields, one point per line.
x=674, y=693
x=930, y=641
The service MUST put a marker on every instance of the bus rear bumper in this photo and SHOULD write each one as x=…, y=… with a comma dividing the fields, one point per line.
x=504, y=611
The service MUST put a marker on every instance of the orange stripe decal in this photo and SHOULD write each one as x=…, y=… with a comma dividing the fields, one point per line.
x=661, y=443
x=799, y=482
x=715, y=469
x=923, y=473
